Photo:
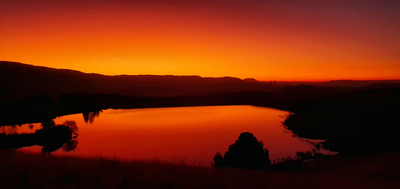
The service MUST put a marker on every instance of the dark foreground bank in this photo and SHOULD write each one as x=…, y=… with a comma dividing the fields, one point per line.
x=20, y=170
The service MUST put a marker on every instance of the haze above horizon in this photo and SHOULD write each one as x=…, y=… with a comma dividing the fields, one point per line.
x=265, y=40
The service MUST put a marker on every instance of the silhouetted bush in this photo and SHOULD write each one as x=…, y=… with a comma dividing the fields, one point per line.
x=89, y=116
x=246, y=153
x=52, y=137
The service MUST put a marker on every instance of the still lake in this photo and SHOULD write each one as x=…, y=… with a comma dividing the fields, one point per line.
x=190, y=134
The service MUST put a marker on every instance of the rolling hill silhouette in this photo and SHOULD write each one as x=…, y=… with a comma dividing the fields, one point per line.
x=34, y=94
x=21, y=80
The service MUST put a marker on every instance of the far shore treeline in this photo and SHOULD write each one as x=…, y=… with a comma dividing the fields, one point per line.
x=31, y=94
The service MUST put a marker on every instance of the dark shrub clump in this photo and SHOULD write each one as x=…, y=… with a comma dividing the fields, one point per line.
x=246, y=153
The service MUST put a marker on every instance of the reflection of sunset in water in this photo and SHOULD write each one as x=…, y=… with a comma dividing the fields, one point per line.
x=195, y=133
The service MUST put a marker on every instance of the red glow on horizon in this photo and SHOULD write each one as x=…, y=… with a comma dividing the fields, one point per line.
x=268, y=41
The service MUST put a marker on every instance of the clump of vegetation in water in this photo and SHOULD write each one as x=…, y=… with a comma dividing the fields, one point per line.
x=51, y=136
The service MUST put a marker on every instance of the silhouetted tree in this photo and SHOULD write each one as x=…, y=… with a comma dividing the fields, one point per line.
x=52, y=137
x=247, y=153
x=89, y=116
x=61, y=136
x=48, y=124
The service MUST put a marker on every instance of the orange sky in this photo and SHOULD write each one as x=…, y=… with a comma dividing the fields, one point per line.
x=265, y=40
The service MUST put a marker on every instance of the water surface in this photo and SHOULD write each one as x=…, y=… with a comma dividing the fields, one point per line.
x=190, y=134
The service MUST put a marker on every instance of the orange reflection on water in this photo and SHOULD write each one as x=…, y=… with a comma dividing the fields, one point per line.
x=195, y=133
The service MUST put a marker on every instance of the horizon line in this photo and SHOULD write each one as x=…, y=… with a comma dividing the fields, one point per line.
x=194, y=75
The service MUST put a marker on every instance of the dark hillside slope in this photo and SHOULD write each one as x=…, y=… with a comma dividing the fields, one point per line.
x=32, y=93
x=21, y=80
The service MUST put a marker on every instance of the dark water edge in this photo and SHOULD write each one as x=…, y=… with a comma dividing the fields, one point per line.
x=349, y=133
x=44, y=108
x=191, y=127
x=359, y=122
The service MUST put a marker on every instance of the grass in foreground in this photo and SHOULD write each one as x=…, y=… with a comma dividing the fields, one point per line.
x=20, y=170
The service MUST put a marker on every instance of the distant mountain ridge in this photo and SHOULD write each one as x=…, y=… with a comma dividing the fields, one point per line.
x=31, y=94
x=19, y=80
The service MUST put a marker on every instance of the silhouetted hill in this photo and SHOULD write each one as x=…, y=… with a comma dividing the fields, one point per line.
x=19, y=80
x=33, y=94
x=302, y=90
x=22, y=80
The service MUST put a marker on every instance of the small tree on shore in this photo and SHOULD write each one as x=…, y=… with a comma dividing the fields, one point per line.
x=246, y=153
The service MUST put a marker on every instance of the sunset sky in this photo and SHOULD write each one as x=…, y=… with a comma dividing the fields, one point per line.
x=306, y=40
